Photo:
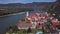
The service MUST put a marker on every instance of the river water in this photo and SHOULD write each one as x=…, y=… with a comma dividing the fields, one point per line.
x=7, y=21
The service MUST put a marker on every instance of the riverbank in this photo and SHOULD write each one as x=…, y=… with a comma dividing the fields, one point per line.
x=12, y=14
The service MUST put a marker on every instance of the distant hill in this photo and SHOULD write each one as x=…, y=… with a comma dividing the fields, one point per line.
x=19, y=7
x=33, y=4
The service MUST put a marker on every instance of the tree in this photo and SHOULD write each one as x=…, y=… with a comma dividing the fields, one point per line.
x=29, y=30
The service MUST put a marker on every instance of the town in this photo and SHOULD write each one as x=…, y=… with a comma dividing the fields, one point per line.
x=40, y=22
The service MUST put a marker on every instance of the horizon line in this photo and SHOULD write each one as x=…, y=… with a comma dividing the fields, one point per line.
x=23, y=3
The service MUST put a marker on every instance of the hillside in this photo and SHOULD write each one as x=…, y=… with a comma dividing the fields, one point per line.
x=19, y=7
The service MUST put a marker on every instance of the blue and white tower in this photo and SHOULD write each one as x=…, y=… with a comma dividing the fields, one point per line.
x=27, y=13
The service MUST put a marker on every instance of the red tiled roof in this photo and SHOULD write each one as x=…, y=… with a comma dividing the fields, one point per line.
x=20, y=23
x=55, y=23
x=39, y=20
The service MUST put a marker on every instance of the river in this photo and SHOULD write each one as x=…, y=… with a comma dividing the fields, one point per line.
x=7, y=21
